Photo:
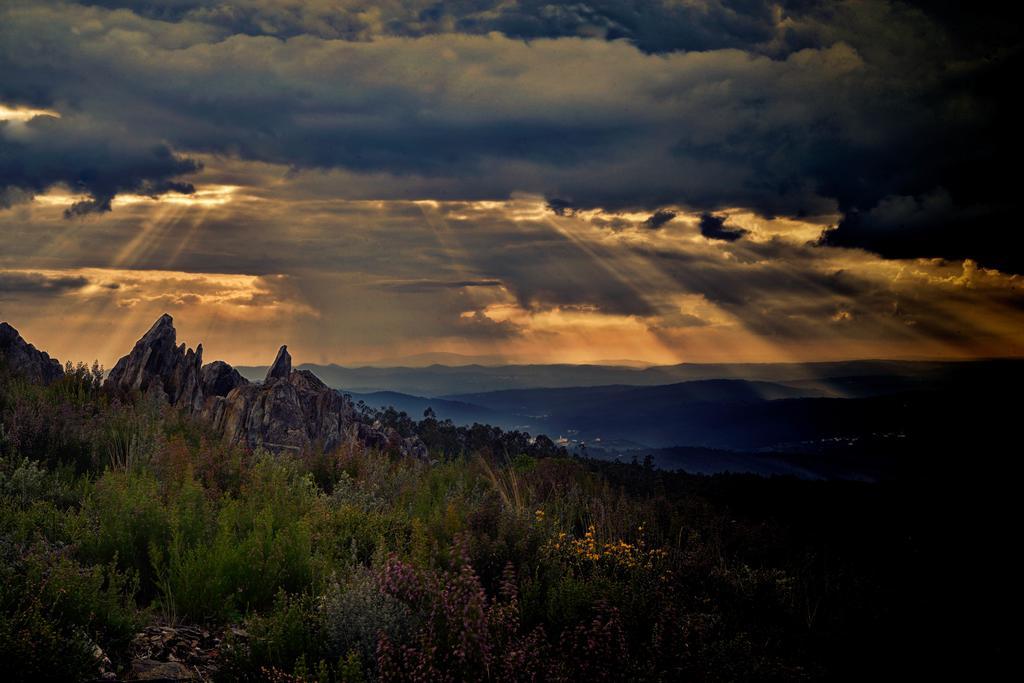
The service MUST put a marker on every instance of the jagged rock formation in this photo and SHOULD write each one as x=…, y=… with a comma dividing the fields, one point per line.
x=25, y=360
x=282, y=367
x=158, y=365
x=290, y=410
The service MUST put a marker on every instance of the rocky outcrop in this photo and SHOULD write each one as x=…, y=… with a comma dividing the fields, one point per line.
x=158, y=365
x=24, y=360
x=291, y=409
x=218, y=379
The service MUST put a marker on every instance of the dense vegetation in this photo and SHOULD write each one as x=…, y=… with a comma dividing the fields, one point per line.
x=503, y=559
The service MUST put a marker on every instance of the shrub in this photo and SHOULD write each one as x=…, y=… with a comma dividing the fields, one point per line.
x=80, y=384
x=355, y=613
x=351, y=565
x=54, y=611
x=463, y=632
x=261, y=543
x=125, y=517
x=129, y=435
x=44, y=425
x=282, y=640
x=26, y=483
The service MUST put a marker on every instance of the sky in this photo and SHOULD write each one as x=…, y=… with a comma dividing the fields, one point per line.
x=662, y=181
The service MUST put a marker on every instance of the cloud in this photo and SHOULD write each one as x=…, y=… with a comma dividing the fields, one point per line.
x=370, y=277
x=652, y=25
x=713, y=227
x=17, y=284
x=659, y=219
x=476, y=325
x=404, y=147
x=561, y=207
x=422, y=286
x=89, y=158
x=932, y=225
x=800, y=109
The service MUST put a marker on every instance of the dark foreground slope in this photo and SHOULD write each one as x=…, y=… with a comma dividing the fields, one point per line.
x=136, y=541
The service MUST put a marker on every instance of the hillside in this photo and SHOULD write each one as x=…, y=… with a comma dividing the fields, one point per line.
x=143, y=538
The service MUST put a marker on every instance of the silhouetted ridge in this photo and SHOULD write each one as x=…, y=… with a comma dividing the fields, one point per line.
x=25, y=360
x=291, y=410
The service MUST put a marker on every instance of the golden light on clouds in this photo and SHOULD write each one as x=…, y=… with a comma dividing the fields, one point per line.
x=22, y=114
x=354, y=280
x=100, y=311
x=416, y=184
x=206, y=196
x=577, y=335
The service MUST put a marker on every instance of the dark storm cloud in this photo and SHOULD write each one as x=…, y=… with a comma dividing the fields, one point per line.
x=651, y=25
x=957, y=201
x=659, y=219
x=791, y=109
x=20, y=284
x=561, y=207
x=101, y=163
x=713, y=227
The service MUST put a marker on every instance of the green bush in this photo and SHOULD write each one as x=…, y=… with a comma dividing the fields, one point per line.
x=129, y=436
x=125, y=517
x=257, y=544
x=54, y=612
x=277, y=641
x=355, y=612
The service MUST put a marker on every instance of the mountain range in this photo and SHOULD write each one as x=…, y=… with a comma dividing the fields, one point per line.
x=443, y=380
x=850, y=419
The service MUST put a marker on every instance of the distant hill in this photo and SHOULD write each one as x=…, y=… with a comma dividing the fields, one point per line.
x=438, y=380
x=730, y=414
x=557, y=401
x=459, y=412
x=419, y=360
x=861, y=410
x=543, y=410
x=829, y=378
x=708, y=413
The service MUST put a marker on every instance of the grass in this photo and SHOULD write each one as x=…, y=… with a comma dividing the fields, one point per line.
x=356, y=565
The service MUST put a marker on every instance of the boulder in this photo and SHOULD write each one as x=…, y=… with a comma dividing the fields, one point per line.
x=218, y=379
x=24, y=360
x=284, y=413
